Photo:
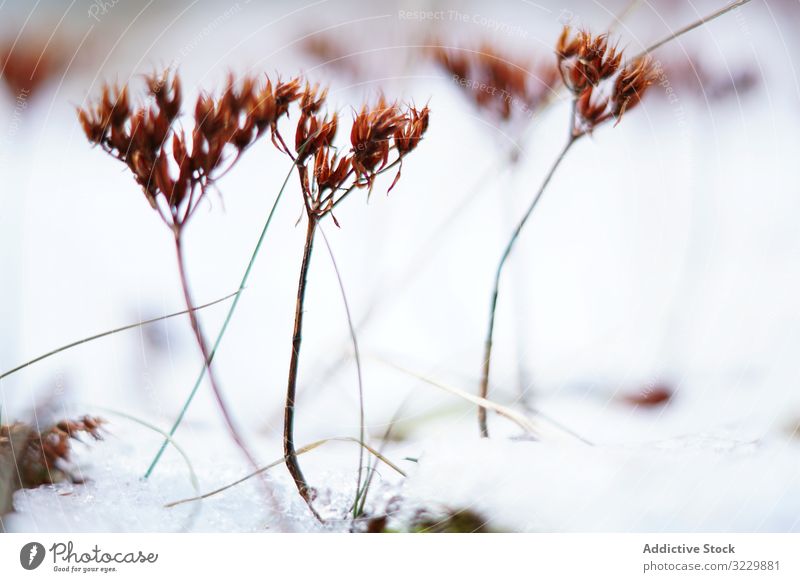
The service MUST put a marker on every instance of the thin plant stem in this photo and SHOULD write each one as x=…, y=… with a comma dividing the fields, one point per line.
x=574, y=136
x=689, y=27
x=192, y=474
x=313, y=217
x=417, y=264
x=201, y=344
x=357, y=355
x=484, y=388
x=108, y=333
x=224, y=327
x=290, y=454
x=629, y=8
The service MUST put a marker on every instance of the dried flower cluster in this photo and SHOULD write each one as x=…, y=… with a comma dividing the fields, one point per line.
x=28, y=63
x=376, y=131
x=602, y=87
x=328, y=176
x=175, y=169
x=41, y=458
x=496, y=83
x=172, y=168
x=334, y=53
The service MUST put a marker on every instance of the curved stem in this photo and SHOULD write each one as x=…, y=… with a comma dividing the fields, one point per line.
x=484, y=388
x=290, y=454
x=201, y=343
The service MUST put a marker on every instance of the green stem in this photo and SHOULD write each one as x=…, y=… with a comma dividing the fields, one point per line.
x=222, y=330
x=203, y=347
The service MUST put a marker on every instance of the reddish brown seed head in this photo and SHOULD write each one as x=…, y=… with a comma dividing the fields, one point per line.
x=497, y=83
x=314, y=133
x=456, y=62
x=631, y=85
x=312, y=99
x=408, y=135
x=162, y=160
x=373, y=127
x=44, y=453
x=286, y=94
x=165, y=87
x=585, y=60
x=31, y=60
x=330, y=170
x=590, y=111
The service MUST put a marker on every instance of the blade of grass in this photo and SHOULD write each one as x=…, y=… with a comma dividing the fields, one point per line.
x=519, y=419
x=187, y=526
x=111, y=332
x=222, y=330
x=357, y=355
x=282, y=460
x=559, y=426
x=192, y=474
x=361, y=497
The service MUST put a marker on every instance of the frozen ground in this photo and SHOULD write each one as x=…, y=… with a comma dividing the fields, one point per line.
x=714, y=481
x=666, y=250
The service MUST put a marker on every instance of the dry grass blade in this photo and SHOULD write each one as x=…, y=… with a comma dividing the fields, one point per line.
x=192, y=474
x=361, y=496
x=111, y=332
x=301, y=451
x=357, y=355
x=519, y=419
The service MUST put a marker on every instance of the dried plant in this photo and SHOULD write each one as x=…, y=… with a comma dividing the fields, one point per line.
x=41, y=456
x=455, y=61
x=381, y=136
x=331, y=51
x=699, y=79
x=28, y=63
x=176, y=170
x=602, y=89
x=501, y=86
